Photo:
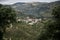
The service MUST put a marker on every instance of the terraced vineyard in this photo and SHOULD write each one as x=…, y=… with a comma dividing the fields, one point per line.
x=23, y=31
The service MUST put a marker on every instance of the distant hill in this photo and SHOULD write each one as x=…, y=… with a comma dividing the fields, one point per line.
x=35, y=9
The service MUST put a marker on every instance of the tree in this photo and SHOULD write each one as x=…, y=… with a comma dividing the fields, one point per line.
x=7, y=16
x=52, y=26
x=48, y=32
x=56, y=15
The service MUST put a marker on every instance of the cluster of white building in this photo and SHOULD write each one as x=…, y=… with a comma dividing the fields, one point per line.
x=28, y=20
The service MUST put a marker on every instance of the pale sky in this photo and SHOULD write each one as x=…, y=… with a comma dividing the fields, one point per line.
x=14, y=1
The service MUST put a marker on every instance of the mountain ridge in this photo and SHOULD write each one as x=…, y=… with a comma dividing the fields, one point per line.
x=37, y=9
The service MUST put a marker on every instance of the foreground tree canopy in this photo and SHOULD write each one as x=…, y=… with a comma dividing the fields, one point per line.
x=52, y=26
x=7, y=16
x=56, y=15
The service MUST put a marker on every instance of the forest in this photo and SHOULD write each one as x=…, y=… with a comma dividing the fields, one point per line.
x=10, y=29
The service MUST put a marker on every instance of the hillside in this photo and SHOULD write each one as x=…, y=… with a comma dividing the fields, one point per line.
x=35, y=9
x=38, y=31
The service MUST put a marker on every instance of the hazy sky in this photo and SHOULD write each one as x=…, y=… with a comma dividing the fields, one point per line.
x=14, y=1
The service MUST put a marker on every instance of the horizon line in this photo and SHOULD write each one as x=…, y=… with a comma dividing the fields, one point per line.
x=25, y=2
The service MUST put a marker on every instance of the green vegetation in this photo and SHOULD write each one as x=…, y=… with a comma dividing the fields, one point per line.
x=7, y=16
x=23, y=31
x=48, y=29
x=52, y=26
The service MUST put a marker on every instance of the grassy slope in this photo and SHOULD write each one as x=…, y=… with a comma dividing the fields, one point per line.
x=23, y=31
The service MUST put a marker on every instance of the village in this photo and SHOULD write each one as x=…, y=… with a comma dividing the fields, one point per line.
x=29, y=20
